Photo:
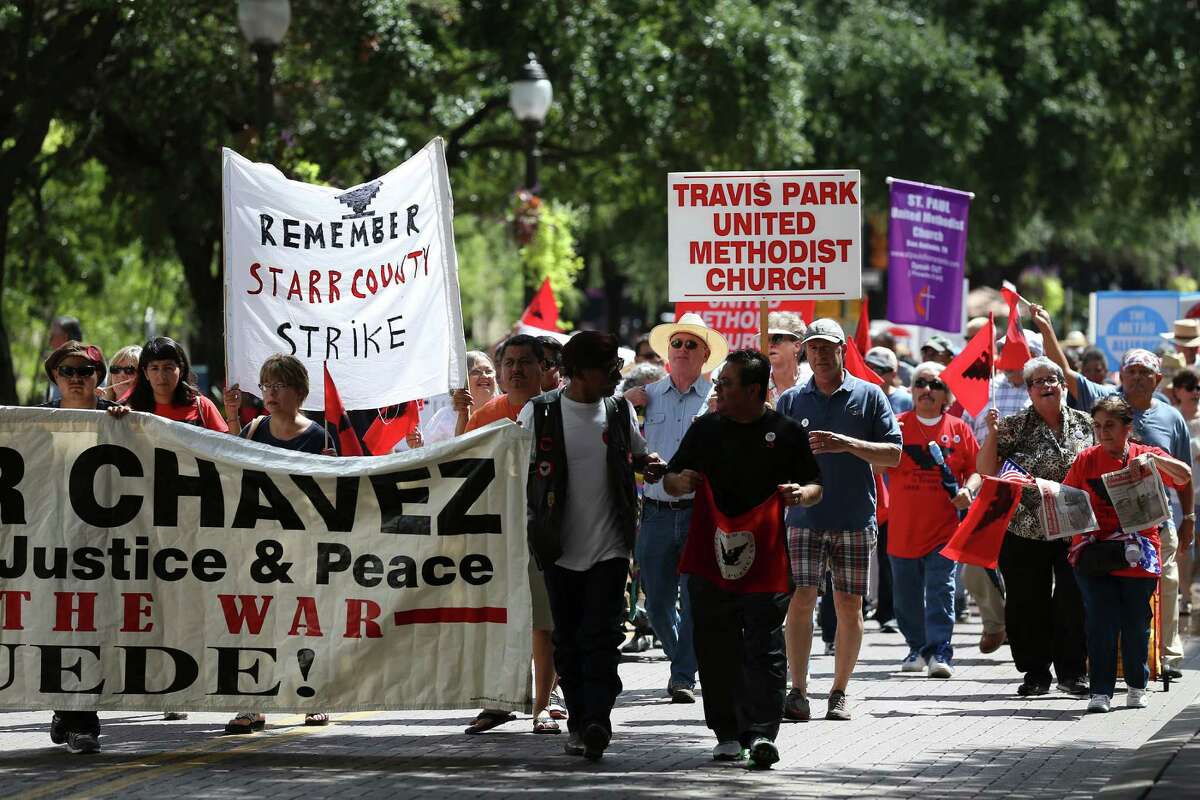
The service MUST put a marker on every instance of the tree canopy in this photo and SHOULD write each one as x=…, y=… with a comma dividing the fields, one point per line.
x=1076, y=124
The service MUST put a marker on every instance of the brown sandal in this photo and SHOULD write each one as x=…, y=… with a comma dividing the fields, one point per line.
x=488, y=720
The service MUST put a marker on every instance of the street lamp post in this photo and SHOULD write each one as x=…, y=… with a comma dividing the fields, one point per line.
x=264, y=23
x=530, y=97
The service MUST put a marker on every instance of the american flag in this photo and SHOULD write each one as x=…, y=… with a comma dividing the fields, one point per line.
x=1011, y=471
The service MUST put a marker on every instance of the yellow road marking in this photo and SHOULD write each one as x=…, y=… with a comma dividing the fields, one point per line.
x=174, y=761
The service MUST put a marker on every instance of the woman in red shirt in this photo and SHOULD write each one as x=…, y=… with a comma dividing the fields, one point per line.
x=1117, y=585
x=162, y=387
x=922, y=518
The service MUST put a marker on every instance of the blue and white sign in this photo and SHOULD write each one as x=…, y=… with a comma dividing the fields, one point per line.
x=1121, y=321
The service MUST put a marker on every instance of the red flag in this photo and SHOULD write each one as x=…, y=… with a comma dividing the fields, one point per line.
x=969, y=374
x=387, y=431
x=978, y=537
x=857, y=367
x=1015, y=352
x=543, y=309
x=335, y=415
x=862, y=334
x=746, y=553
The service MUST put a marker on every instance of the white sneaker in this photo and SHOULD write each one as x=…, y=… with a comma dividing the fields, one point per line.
x=1137, y=698
x=939, y=668
x=1099, y=704
x=913, y=662
x=829, y=648
x=728, y=751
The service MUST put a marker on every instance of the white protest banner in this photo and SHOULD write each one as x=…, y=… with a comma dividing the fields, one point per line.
x=150, y=565
x=764, y=235
x=365, y=278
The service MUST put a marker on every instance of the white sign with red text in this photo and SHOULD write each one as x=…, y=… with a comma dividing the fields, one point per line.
x=365, y=278
x=764, y=235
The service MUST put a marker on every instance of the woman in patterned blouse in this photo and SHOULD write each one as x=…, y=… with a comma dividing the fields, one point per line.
x=1043, y=610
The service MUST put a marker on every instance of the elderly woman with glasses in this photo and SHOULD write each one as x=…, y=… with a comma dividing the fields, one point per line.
x=1043, y=610
x=923, y=516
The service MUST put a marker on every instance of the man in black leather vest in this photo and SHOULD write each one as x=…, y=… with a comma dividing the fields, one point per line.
x=582, y=508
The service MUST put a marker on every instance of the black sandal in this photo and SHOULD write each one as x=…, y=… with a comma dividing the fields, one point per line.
x=488, y=720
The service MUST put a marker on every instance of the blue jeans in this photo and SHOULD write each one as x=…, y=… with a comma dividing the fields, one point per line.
x=659, y=545
x=923, y=596
x=1117, y=605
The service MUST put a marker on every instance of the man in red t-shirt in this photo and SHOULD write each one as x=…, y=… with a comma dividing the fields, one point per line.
x=922, y=518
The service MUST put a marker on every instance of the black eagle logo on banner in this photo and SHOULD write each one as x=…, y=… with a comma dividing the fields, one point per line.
x=998, y=508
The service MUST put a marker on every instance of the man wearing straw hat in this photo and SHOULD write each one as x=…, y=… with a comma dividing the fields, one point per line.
x=692, y=350
x=1185, y=335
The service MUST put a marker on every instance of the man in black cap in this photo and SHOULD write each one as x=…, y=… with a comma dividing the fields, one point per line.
x=582, y=511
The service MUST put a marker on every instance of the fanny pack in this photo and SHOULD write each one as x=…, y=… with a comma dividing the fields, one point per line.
x=1101, y=558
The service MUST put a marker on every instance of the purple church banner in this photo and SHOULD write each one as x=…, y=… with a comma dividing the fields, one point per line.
x=927, y=248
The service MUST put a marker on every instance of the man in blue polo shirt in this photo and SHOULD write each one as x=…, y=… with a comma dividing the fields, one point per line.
x=1154, y=423
x=851, y=428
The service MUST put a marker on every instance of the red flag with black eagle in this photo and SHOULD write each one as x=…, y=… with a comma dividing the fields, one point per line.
x=335, y=415
x=393, y=424
x=856, y=365
x=745, y=553
x=543, y=309
x=969, y=374
x=862, y=334
x=978, y=537
x=1015, y=351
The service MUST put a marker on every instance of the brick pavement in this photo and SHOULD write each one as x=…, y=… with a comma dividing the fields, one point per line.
x=966, y=737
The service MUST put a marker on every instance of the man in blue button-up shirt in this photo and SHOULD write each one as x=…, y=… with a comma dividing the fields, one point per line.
x=851, y=429
x=691, y=349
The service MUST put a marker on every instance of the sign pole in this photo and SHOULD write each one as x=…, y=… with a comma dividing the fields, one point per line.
x=764, y=340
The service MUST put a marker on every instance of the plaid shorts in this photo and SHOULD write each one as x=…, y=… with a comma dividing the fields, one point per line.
x=847, y=554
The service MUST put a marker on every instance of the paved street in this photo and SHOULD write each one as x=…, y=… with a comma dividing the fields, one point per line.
x=967, y=737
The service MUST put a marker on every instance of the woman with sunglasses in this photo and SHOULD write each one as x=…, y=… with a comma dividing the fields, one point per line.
x=75, y=369
x=922, y=518
x=122, y=372
x=1185, y=396
x=1043, y=611
x=283, y=382
x=1118, y=570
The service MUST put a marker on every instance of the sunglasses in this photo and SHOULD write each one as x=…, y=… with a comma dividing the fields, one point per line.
x=122, y=370
x=85, y=371
x=780, y=338
x=685, y=344
x=929, y=383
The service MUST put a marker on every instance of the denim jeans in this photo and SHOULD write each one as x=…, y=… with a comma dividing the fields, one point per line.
x=1117, y=605
x=923, y=596
x=659, y=545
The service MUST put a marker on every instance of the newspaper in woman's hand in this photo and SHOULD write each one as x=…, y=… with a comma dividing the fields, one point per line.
x=1138, y=494
x=1065, y=510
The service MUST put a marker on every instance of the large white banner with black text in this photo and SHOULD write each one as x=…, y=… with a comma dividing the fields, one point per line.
x=148, y=564
x=364, y=278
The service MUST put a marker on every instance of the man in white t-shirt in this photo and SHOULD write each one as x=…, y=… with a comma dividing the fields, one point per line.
x=582, y=512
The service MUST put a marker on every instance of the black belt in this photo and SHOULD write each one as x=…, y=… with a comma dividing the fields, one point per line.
x=673, y=505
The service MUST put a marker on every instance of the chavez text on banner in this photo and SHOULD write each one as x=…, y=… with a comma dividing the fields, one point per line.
x=148, y=565
x=764, y=235
x=364, y=278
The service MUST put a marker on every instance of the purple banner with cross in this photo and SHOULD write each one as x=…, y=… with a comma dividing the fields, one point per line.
x=927, y=248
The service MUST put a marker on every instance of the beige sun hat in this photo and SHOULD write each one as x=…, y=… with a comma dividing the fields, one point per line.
x=1186, y=333
x=693, y=323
